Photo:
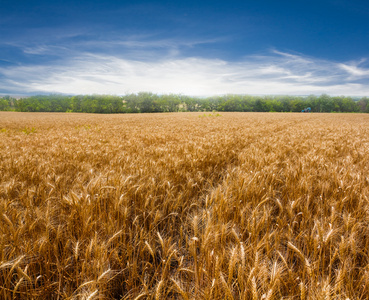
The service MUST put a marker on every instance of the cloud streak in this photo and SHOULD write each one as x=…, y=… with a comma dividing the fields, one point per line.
x=274, y=73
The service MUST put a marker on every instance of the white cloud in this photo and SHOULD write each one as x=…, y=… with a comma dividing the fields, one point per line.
x=354, y=70
x=276, y=73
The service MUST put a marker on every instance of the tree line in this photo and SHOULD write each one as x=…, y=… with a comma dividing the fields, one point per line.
x=150, y=103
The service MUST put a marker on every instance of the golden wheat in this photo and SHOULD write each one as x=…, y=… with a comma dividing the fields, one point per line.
x=173, y=206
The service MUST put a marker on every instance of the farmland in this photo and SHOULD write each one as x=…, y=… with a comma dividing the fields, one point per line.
x=184, y=206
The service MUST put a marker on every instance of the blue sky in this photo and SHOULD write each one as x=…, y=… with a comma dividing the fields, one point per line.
x=189, y=47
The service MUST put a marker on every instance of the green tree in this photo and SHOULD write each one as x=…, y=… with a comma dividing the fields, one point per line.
x=4, y=104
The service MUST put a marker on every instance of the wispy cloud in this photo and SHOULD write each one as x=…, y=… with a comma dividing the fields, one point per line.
x=354, y=70
x=273, y=73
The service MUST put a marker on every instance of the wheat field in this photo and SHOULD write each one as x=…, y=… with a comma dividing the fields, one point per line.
x=184, y=206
